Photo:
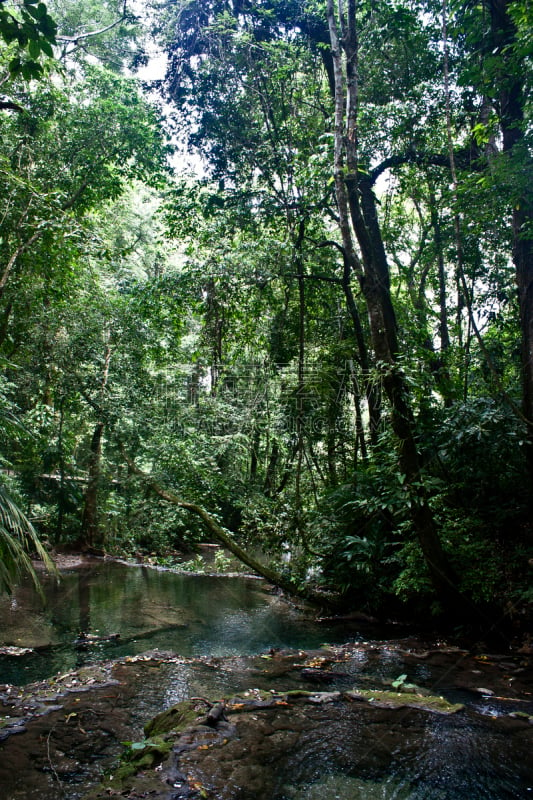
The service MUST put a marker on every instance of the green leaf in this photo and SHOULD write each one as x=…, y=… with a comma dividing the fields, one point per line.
x=400, y=680
x=31, y=70
x=46, y=47
x=34, y=48
x=138, y=745
x=34, y=13
x=14, y=65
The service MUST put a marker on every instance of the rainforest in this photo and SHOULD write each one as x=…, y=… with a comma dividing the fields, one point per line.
x=266, y=399
x=266, y=282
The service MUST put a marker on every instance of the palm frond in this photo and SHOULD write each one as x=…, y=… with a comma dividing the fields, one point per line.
x=18, y=539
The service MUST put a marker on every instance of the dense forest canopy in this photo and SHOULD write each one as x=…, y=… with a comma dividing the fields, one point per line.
x=287, y=286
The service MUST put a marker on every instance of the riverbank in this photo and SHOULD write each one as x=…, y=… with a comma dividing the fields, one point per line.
x=376, y=715
x=60, y=737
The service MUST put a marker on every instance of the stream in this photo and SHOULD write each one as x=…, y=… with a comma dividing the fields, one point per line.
x=116, y=644
x=109, y=610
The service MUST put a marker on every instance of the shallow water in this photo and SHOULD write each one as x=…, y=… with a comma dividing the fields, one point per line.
x=148, y=608
x=352, y=751
x=346, y=751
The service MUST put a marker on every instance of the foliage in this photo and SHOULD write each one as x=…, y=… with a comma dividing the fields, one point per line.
x=28, y=26
x=218, y=328
x=18, y=540
x=105, y=31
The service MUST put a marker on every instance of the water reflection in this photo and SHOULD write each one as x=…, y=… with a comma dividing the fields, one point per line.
x=113, y=610
x=348, y=750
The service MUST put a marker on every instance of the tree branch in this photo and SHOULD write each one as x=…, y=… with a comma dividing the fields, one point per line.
x=20, y=249
x=463, y=158
x=75, y=40
x=9, y=105
x=326, y=278
x=224, y=537
x=67, y=205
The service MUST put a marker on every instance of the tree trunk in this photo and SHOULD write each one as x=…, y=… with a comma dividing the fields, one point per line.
x=270, y=477
x=359, y=427
x=301, y=388
x=372, y=389
x=215, y=331
x=90, y=528
x=254, y=455
x=4, y=322
x=442, y=376
x=356, y=203
x=61, y=498
x=523, y=260
x=511, y=94
x=91, y=533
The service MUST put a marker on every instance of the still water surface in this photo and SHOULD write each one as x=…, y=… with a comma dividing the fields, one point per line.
x=353, y=752
x=147, y=608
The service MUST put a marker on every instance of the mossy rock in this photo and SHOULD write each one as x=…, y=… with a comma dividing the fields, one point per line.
x=386, y=699
x=147, y=754
x=139, y=756
x=175, y=719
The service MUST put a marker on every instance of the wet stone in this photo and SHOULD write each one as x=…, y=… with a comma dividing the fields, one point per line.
x=283, y=739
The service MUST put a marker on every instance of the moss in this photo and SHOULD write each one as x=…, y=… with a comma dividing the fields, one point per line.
x=174, y=719
x=139, y=756
x=121, y=774
x=113, y=783
x=152, y=751
x=386, y=699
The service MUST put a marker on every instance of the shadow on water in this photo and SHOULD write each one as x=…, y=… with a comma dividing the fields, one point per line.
x=221, y=629
x=113, y=610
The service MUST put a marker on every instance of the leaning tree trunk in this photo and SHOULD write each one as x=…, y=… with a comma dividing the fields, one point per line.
x=357, y=208
x=226, y=540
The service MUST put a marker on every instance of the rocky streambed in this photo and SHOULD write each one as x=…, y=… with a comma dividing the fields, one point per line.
x=283, y=725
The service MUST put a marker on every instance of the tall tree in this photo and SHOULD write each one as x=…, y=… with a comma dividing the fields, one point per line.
x=505, y=82
x=357, y=208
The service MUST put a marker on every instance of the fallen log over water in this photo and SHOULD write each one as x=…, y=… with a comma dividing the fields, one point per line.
x=223, y=536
